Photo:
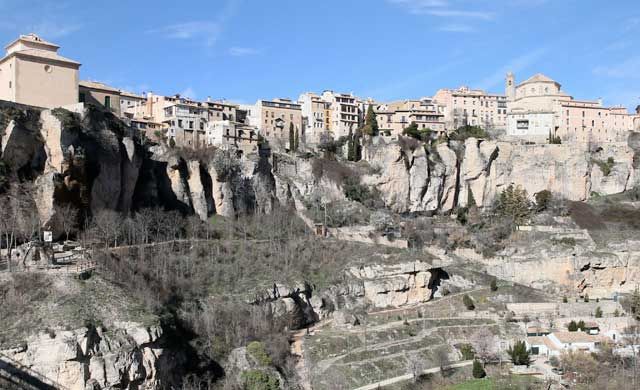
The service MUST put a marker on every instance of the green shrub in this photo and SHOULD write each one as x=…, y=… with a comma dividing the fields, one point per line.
x=414, y=132
x=468, y=302
x=257, y=350
x=69, y=120
x=259, y=380
x=467, y=352
x=605, y=166
x=519, y=354
x=543, y=198
x=598, y=312
x=478, y=370
x=513, y=202
x=494, y=284
x=464, y=132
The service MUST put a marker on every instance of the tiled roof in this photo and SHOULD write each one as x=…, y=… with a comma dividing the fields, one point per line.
x=577, y=337
x=98, y=85
x=538, y=77
x=45, y=54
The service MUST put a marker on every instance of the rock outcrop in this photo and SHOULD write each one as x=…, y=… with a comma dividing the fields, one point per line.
x=127, y=356
x=440, y=178
x=89, y=158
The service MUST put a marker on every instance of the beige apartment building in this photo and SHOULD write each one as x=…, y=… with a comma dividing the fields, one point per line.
x=474, y=107
x=185, y=119
x=394, y=117
x=33, y=73
x=132, y=105
x=316, y=117
x=539, y=107
x=100, y=94
x=345, y=114
x=274, y=119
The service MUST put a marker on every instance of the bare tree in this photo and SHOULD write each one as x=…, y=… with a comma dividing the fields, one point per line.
x=106, y=227
x=441, y=357
x=632, y=339
x=484, y=344
x=415, y=365
x=67, y=214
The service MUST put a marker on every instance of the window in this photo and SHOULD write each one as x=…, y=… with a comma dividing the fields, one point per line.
x=180, y=123
x=82, y=97
x=191, y=124
x=107, y=101
x=9, y=84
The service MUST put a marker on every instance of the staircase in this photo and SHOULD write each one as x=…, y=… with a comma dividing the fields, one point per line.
x=14, y=375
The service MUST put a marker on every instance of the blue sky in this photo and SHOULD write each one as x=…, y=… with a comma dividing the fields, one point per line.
x=243, y=50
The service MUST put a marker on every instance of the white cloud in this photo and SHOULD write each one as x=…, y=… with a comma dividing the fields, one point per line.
x=458, y=28
x=452, y=13
x=244, y=51
x=625, y=69
x=515, y=65
x=189, y=93
x=207, y=32
x=416, y=6
x=398, y=87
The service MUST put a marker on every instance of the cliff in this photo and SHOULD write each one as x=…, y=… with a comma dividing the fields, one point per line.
x=89, y=158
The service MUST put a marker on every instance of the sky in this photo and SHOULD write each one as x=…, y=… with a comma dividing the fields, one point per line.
x=244, y=50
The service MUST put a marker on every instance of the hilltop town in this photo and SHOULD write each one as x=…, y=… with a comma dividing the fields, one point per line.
x=466, y=240
x=533, y=110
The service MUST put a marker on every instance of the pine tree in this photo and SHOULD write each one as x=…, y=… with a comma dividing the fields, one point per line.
x=351, y=156
x=478, y=370
x=514, y=202
x=292, y=139
x=519, y=354
x=370, y=123
x=296, y=141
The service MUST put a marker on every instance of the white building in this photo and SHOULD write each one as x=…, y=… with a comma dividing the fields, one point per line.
x=537, y=108
x=316, y=117
x=345, y=113
x=555, y=343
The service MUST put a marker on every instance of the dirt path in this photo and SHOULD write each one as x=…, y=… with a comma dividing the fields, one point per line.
x=297, y=349
x=407, y=377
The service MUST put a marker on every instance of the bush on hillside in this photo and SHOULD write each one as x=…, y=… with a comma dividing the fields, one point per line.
x=513, y=202
x=468, y=302
x=519, y=354
x=465, y=132
x=478, y=370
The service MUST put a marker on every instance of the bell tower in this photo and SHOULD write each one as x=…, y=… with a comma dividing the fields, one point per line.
x=510, y=86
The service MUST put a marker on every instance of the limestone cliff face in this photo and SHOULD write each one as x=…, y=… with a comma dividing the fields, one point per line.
x=374, y=285
x=446, y=176
x=90, y=159
x=127, y=356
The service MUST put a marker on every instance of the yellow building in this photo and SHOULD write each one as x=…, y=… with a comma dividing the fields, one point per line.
x=33, y=73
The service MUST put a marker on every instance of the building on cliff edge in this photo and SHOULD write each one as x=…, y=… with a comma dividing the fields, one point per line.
x=539, y=108
x=33, y=73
